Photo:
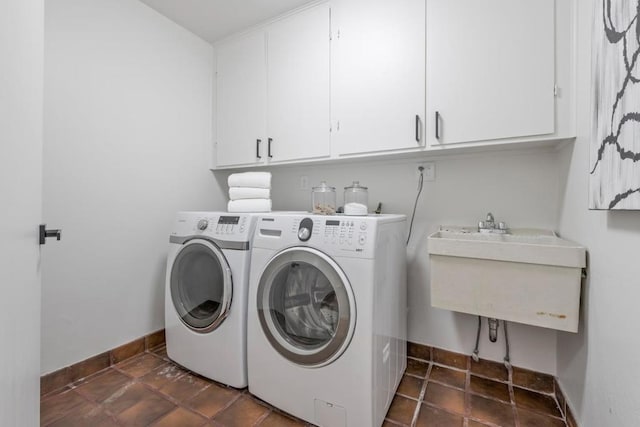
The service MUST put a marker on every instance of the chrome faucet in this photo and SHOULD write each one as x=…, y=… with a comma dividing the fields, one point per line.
x=489, y=225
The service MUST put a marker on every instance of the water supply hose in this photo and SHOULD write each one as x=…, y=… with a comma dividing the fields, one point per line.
x=475, y=355
x=507, y=361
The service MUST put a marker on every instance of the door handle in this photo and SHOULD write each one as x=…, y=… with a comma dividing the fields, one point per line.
x=44, y=233
x=269, y=147
x=258, y=141
x=418, y=129
x=437, y=125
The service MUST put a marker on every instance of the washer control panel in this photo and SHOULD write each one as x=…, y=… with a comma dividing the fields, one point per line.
x=348, y=233
x=334, y=235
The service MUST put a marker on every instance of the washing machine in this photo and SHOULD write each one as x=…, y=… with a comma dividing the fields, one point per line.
x=326, y=331
x=206, y=294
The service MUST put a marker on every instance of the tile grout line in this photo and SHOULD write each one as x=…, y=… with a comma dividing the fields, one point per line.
x=562, y=410
x=55, y=420
x=184, y=405
x=512, y=397
x=467, y=415
x=263, y=417
x=173, y=400
x=163, y=416
x=467, y=393
x=112, y=415
x=538, y=411
x=155, y=391
x=448, y=411
x=225, y=407
x=136, y=380
x=423, y=391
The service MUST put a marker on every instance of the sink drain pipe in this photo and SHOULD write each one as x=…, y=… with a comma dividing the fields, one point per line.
x=493, y=329
x=493, y=336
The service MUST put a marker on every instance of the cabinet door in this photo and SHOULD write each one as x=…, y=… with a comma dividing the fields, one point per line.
x=241, y=90
x=490, y=69
x=298, y=86
x=378, y=75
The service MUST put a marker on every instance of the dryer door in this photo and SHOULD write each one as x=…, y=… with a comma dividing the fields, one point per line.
x=201, y=285
x=306, y=306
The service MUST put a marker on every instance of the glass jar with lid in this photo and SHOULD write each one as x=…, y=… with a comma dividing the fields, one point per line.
x=323, y=198
x=356, y=199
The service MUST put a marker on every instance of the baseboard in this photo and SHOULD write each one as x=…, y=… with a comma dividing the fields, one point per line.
x=564, y=406
x=70, y=374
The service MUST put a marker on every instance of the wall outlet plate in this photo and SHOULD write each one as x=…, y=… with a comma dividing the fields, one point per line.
x=304, y=182
x=429, y=171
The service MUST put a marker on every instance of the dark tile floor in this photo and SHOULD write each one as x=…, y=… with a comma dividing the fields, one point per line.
x=455, y=391
x=150, y=390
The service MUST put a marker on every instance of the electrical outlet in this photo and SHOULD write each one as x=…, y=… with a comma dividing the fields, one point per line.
x=429, y=172
x=304, y=182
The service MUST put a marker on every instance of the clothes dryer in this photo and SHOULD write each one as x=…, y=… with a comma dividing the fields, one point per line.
x=327, y=315
x=206, y=294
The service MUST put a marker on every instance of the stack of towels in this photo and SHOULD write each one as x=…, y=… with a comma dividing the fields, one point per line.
x=249, y=192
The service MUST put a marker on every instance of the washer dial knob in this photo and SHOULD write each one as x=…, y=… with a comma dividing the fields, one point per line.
x=303, y=234
x=203, y=224
x=304, y=230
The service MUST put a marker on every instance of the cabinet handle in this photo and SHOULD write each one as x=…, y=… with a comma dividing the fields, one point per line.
x=437, y=125
x=258, y=141
x=418, y=129
x=269, y=147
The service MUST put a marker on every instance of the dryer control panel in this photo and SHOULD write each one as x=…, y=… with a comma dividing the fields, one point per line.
x=220, y=226
x=230, y=224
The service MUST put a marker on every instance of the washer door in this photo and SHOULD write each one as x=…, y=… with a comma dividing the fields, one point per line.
x=201, y=285
x=306, y=306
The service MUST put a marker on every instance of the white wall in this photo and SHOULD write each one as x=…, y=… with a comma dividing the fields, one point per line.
x=520, y=188
x=597, y=368
x=128, y=101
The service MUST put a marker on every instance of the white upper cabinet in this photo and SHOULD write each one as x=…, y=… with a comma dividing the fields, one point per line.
x=272, y=92
x=298, y=123
x=378, y=75
x=241, y=101
x=490, y=70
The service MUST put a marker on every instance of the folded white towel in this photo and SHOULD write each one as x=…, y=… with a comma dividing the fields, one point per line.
x=238, y=193
x=250, y=179
x=249, y=205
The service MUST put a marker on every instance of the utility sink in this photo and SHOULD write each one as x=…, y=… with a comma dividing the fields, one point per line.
x=525, y=275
